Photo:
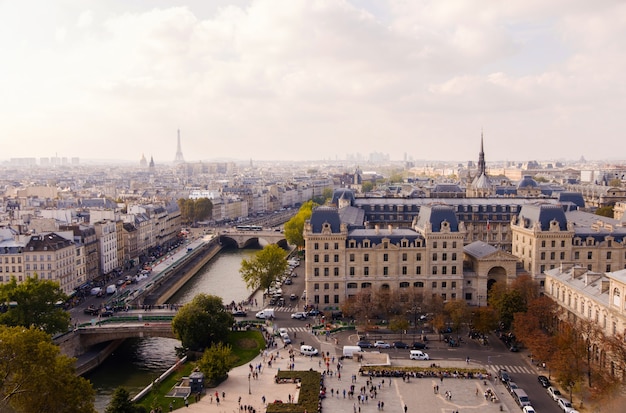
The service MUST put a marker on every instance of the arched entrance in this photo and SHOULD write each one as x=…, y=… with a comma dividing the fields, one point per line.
x=495, y=275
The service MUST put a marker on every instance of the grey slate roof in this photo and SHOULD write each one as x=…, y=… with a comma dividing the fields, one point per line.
x=575, y=198
x=544, y=214
x=325, y=214
x=436, y=215
x=353, y=217
x=598, y=227
x=395, y=235
x=479, y=249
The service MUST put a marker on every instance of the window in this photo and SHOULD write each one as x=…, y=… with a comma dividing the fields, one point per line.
x=316, y=272
x=404, y=270
x=366, y=257
x=434, y=271
x=404, y=285
x=553, y=243
x=366, y=285
x=316, y=246
x=453, y=244
x=444, y=270
x=434, y=284
x=454, y=256
x=418, y=284
x=336, y=257
x=435, y=244
x=552, y=256
x=336, y=245
x=316, y=286
x=404, y=256
x=589, y=255
x=434, y=256
x=351, y=257
x=418, y=256
x=385, y=257
x=326, y=257
x=418, y=270
x=326, y=299
x=335, y=286
x=453, y=285
x=366, y=271
x=543, y=256
x=316, y=299
x=316, y=258
x=326, y=272
x=385, y=271
x=326, y=286
x=444, y=245
x=336, y=299
x=326, y=245
x=336, y=271
x=577, y=255
x=444, y=284
x=562, y=255
x=352, y=285
x=608, y=255
x=543, y=244
x=453, y=269
x=468, y=296
x=351, y=271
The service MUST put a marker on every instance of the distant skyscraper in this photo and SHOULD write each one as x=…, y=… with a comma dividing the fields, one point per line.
x=179, y=152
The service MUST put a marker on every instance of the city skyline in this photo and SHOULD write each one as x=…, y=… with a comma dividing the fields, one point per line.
x=311, y=80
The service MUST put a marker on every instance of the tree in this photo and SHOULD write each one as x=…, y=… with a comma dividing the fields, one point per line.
x=506, y=302
x=458, y=312
x=35, y=305
x=605, y=211
x=265, y=268
x=399, y=323
x=202, y=322
x=121, y=403
x=216, y=362
x=36, y=377
x=295, y=226
x=203, y=208
x=367, y=186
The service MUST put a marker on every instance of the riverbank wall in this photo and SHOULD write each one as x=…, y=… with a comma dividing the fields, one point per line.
x=184, y=272
x=87, y=363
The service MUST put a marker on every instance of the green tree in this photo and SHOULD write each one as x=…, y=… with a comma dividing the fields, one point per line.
x=265, y=268
x=121, y=403
x=35, y=305
x=367, y=186
x=202, y=322
x=203, y=208
x=605, y=211
x=399, y=323
x=615, y=182
x=216, y=362
x=458, y=312
x=506, y=302
x=35, y=377
x=295, y=226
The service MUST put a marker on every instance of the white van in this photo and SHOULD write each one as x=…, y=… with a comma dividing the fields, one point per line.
x=268, y=313
x=418, y=355
x=521, y=397
x=307, y=350
x=348, y=351
x=111, y=289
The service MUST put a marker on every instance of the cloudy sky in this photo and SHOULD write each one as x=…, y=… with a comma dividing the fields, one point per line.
x=313, y=79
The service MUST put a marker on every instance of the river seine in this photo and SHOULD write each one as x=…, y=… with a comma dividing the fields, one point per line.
x=138, y=362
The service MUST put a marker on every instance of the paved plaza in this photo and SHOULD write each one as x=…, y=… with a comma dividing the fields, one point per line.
x=467, y=395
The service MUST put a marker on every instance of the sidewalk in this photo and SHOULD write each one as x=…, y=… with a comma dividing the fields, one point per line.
x=417, y=394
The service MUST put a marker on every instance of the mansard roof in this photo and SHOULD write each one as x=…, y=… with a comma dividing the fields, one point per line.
x=435, y=215
x=325, y=215
x=376, y=236
x=48, y=242
x=544, y=214
x=344, y=193
x=575, y=198
x=588, y=225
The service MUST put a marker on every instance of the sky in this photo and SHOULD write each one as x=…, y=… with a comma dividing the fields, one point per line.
x=313, y=79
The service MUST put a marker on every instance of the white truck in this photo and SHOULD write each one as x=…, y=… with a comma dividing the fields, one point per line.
x=266, y=314
x=348, y=351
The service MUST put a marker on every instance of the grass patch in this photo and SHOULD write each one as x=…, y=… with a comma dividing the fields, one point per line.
x=309, y=397
x=246, y=346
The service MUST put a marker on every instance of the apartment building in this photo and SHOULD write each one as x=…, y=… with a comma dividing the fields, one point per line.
x=51, y=257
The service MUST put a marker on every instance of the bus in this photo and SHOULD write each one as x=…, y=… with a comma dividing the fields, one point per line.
x=249, y=228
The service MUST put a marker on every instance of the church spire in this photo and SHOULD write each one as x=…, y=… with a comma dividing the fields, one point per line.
x=482, y=168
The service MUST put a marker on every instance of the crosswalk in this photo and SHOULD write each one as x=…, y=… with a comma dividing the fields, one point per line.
x=511, y=369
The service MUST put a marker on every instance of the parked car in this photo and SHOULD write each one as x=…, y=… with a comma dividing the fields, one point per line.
x=293, y=297
x=543, y=380
x=565, y=405
x=381, y=344
x=528, y=409
x=364, y=344
x=91, y=310
x=419, y=346
x=399, y=344
x=554, y=393
x=239, y=313
x=314, y=312
x=503, y=375
x=288, y=281
x=511, y=385
x=299, y=315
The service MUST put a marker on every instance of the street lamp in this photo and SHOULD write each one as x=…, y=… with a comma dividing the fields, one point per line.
x=249, y=391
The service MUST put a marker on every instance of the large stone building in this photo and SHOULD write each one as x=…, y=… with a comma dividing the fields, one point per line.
x=344, y=258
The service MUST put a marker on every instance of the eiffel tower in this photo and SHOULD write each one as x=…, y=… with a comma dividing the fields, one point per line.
x=179, y=152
